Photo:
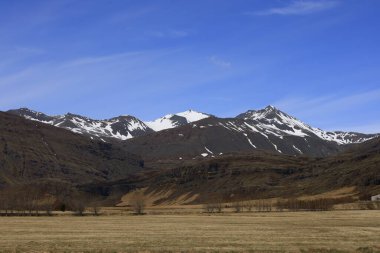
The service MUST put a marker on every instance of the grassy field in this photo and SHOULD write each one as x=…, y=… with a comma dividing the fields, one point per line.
x=343, y=231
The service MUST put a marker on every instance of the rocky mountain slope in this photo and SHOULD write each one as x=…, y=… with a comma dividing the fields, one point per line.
x=121, y=127
x=31, y=151
x=192, y=134
x=266, y=129
x=272, y=121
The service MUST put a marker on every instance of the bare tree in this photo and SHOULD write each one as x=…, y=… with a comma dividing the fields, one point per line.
x=8, y=201
x=218, y=207
x=3, y=204
x=95, y=207
x=138, y=203
x=47, y=205
x=280, y=205
x=213, y=207
x=208, y=208
x=237, y=206
x=248, y=205
x=78, y=204
x=79, y=208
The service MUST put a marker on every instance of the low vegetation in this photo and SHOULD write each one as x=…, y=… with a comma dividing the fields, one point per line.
x=138, y=203
x=42, y=200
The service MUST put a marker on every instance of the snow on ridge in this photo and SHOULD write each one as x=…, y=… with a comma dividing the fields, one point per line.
x=161, y=123
x=208, y=150
x=167, y=121
x=268, y=122
x=272, y=121
x=121, y=127
x=136, y=125
x=192, y=116
x=50, y=122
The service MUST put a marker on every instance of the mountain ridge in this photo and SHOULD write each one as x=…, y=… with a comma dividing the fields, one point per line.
x=193, y=134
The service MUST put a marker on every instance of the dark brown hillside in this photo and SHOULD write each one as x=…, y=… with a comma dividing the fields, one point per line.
x=32, y=151
x=358, y=166
x=268, y=175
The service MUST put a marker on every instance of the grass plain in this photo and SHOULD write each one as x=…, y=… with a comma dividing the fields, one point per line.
x=333, y=231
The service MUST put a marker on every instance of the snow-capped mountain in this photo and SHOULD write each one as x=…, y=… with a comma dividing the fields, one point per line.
x=272, y=121
x=267, y=129
x=176, y=120
x=191, y=134
x=122, y=127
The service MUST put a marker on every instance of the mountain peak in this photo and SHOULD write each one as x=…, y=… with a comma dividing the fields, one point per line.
x=192, y=115
x=32, y=115
x=268, y=112
x=124, y=117
x=73, y=115
x=26, y=110
x=271, y=108
x=175, y=120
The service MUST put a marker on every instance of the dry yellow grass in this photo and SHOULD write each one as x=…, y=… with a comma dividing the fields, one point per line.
x=151, y=197
x=338, y=193
x=260, y=232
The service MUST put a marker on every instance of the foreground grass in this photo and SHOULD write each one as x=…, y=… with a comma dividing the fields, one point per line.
x=344, y=231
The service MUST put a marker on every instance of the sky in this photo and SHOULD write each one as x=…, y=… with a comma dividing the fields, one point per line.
x=318, y=60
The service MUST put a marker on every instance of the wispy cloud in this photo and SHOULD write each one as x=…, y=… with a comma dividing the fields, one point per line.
x=120, y=75
x=220, y=62
x=324, y=109
x=99, y=59
x=169, y=34
x=328, y=103
x=371, y=128
x=299, y=7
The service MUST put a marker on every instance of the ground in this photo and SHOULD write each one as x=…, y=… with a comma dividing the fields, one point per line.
x=346, y=231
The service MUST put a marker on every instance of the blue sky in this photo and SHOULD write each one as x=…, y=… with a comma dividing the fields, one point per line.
x=316, y=60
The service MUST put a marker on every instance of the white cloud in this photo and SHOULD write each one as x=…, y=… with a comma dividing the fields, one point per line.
x=168, y=34
x=371, y=128
x=100, y=59
x=220, y=62
x=326, y=111
x=300, y=7
x=328, y=103
x=137, y=75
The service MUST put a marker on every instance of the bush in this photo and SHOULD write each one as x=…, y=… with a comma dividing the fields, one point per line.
x=138, y=203
x=237, y=206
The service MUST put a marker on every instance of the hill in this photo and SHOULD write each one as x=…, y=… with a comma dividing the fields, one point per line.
x=261, y=174
x=31, y=151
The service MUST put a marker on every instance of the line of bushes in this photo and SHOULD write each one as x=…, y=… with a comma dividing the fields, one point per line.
x=33, y=200
x=293, y=204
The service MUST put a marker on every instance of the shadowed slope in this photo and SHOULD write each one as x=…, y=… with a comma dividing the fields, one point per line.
x=34, y=151
x=268, y=175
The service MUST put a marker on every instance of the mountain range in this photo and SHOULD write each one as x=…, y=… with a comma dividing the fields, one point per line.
x=193, y=134
x=199, y=161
